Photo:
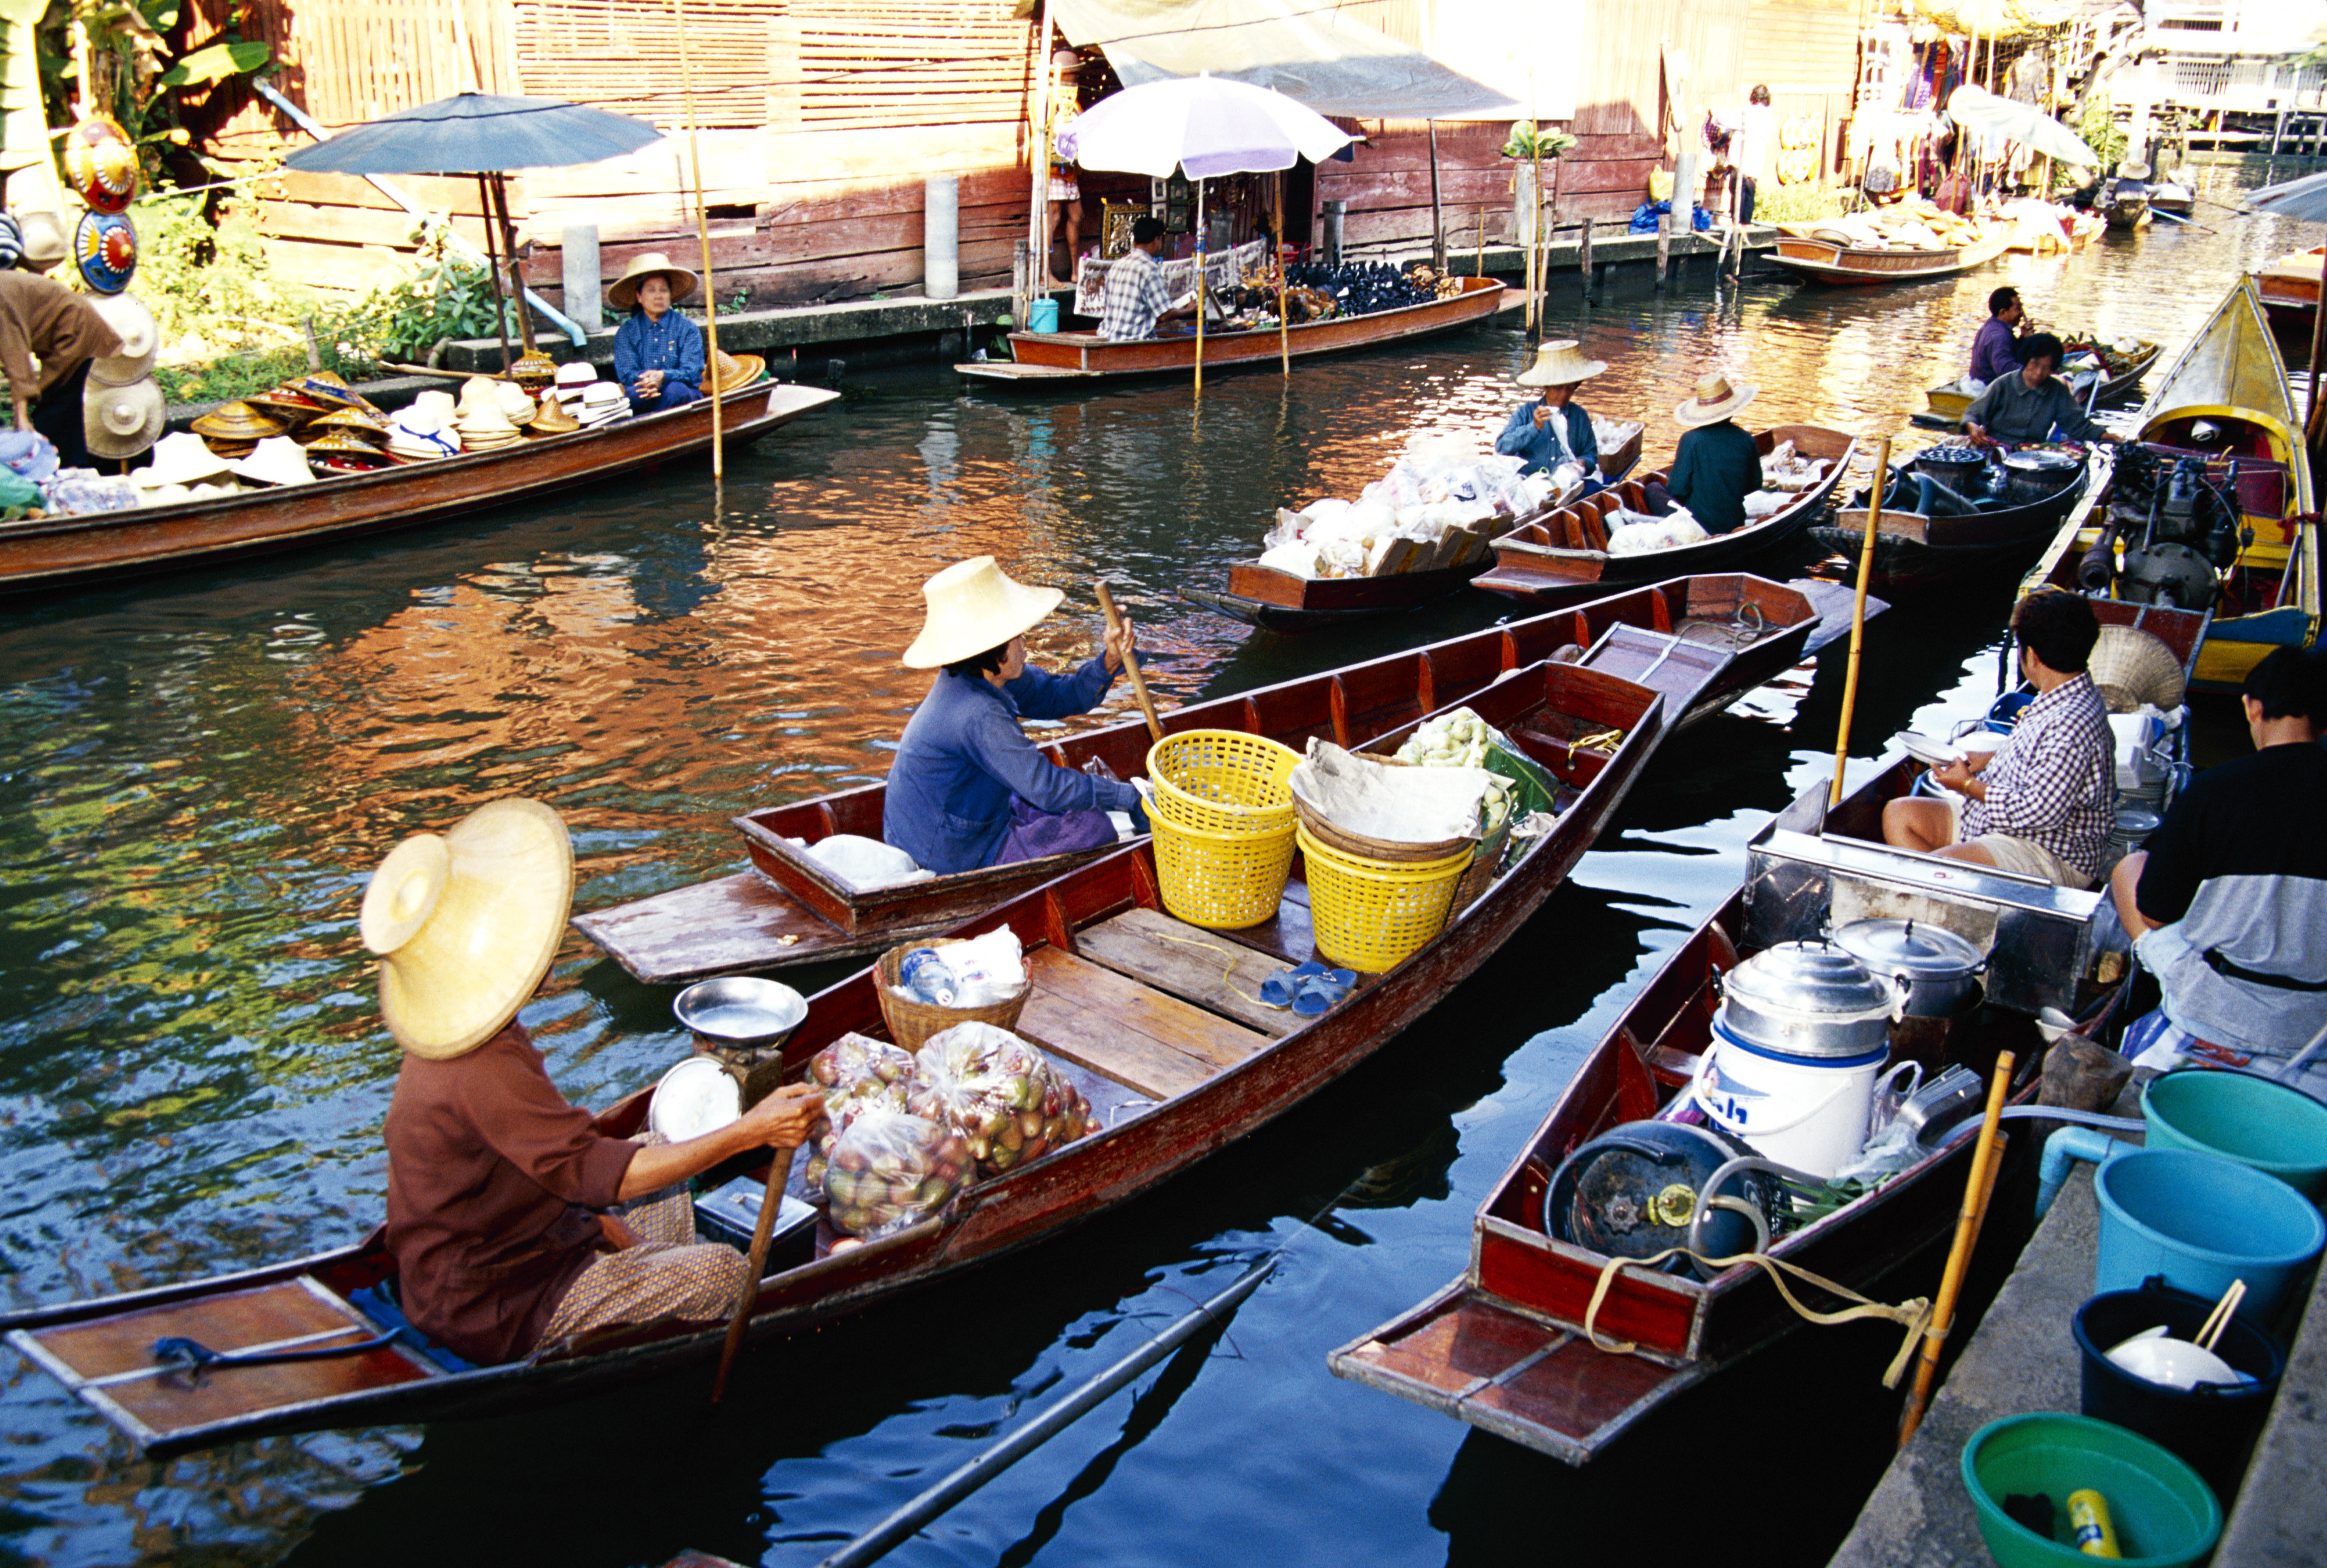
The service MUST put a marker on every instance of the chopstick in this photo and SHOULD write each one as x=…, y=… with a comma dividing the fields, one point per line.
x=2219, y=1318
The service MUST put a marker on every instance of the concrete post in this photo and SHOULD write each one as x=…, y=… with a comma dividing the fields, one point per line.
x=584, y=306
x=1330, y=241
x=1687, y=189
x=1664, y=241
x=2145, y=95
x=941, y=237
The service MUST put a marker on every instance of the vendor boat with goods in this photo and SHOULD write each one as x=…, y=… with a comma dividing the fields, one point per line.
x=1948, y=513
x=2289, y=289
x=1789, y=1100
x=2100, y=375
x=1900, y=244
x=1704, y=641
x=1611, y=538
x=2212, y=508
x=1145, y=1022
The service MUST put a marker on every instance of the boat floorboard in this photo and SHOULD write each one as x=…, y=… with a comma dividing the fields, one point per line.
x=1193, y=963
x=1120, y=1028
x=1674, y=663
x=733, y=925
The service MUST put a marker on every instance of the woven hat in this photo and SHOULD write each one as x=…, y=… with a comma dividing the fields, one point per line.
x=239, y=422
x=553, y=418
x=1560, y=364
x=729, y=371
x=466, y=923
x=2132, y=667
x=580, y=373
x=424, y=432
x=44, y=240
x=331, y=389
x=515, y=400
x=343, y=452
x=1716, y=401
x=533, y=371
x=482, y=421
x=141, y=340
x=286, y=405
x=101, y=162
x=106, y=245
x=122, y=421
x=477, y=395
x=622, y=294
x=348, y=422
x=435, y=404
x=972, y=605
x=277, y=460
x=182, y=457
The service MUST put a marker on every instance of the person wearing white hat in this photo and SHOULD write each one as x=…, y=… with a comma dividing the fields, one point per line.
x=49, y=335
x=1717, y=464
x=657, y=352
x=968, y=789
x=1555, y=429
x=501, y=1196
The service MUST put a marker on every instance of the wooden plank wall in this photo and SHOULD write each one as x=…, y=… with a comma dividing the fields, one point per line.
x=1806, y=52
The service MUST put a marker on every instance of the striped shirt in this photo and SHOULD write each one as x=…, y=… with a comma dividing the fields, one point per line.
x=2053, y=781
x=1135, y=296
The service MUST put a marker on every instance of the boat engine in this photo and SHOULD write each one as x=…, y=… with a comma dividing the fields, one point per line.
x=2186, y=526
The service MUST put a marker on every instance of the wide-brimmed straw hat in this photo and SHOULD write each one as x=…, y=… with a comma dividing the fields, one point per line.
x=342, y=451
x=622, y=294
x=239, y=422
x=45, y=244
x=287, y=405
x=182, y=457
x=1716, y=401
x=331, y=388
x=972, y=605
x=553, y=418
x=122, y=421
x=141, y=340
x=352, y=423
x=580, y=373
x=729, y=371
x=277, y=460
x=1560, y=364
x=466, y=923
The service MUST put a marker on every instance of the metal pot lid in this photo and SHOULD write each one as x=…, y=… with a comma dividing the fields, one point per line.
x=2033, y=462
x=1815, y=979
x=1912, y=947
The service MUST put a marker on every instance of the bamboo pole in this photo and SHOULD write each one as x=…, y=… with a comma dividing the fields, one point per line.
x=493, y=268
x=1203, y=294
x=1858, y=616
x=1284, y=325
x=1039, y=238
x=710, y=324
x=1131, y=668
x=1977, y=1187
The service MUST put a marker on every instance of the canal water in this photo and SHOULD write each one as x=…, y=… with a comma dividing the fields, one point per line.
x=198, y=773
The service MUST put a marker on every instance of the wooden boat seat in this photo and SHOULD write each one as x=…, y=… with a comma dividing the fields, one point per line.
x=1195, y=964
x=1139, y=1036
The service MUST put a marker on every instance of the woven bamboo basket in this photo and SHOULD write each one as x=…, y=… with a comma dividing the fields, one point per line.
x=2132, y=667
x=911, y=1022
x=1397, y=851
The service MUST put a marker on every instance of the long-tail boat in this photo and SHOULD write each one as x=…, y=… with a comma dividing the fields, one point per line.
x=1044, y=358
x=1277, y=600
x=1915, y=553
x=2289, y=289
x=45, y=552
x=1565, y=558
x=2117, y=383
x=1154, y=1021
x=1704, y=641
x=2224, y=404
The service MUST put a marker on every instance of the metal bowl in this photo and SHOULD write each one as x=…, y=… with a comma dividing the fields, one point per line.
x=696, y=1096
x=741, y=1011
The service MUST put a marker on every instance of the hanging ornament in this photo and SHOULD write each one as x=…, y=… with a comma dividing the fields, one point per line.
x=106, y=246
x=101, y=162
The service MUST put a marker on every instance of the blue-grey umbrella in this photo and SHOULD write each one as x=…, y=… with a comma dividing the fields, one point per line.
x=475, y=133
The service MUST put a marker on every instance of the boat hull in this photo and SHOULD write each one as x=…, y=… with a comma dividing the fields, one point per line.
x=1823, y=261
x=1915, y=554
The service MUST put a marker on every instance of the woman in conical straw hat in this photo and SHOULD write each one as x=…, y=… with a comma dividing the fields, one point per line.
x=505, y=1205
x=657, y=352
x=968, y=789
x=1717, y=464
x=1554, y=428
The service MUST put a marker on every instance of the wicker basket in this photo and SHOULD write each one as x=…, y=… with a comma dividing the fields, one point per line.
x=1372, y=915
x=911, y=1022
x=1481, y=874
x=1222, y=781
x=1399, y=852
x=2132, y=667
x=1223, y=881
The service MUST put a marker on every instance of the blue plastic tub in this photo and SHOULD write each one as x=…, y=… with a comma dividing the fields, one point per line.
x=2201, y=1221
x=2256, y=1121
x=1043, y=316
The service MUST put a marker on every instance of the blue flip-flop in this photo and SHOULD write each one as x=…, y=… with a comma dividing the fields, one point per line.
x=1283, y=988
x=1320, y=990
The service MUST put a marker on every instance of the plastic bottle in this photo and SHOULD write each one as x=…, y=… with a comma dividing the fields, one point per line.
x=923, y=975
x=2089, y=1526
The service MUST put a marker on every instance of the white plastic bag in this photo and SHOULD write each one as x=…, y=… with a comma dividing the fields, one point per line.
x=892, y=1169
x=985, y=969
x=865, y=862
x=999, y=1093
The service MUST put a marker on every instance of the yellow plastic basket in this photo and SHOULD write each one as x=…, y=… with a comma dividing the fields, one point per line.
x=1370, y=915
x=1222, y=781
x=1222, y=881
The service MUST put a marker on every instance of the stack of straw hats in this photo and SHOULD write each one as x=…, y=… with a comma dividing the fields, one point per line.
x=340, y=449
x=289, y=406
x=363, y=427
x=602, y=403
x=484, y=425
x=331, y=389
x=274, y=462
x=515, y=401
x=425, y=430
x=232, y=429
x=729, y=371
x=184, y=469
x=141, y=340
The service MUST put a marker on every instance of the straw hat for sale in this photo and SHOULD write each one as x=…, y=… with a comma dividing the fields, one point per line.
x=729, y=371
x=122, y=421
x=972, y=605
x=238, y=423
x=182, y=457
x=482, y=423
x=466, y=922
x=276, y=462
x=622, y=294
x=45, y=246
x=515, y=400
x=2132, y=668
x=435, y=404
x=580, y=373
x=532, y=370
x=602, y=403
x=1716, y=401
x=141, y=340
x=1560, y=364
x=343, y=451
x=363, y=427
x=552, y=418
x=421, y=432
x=331, y=388
x=289, y=405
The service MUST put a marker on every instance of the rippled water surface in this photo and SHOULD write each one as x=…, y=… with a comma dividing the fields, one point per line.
x=196, y=775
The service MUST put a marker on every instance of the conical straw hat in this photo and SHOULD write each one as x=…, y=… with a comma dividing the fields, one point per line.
x=1560, y=364
x=2132, y=667
x=182, y=457
x=238, y=422
x=729, y=371
x=352, y=422
x=277, y=460
x=972, y=605
x=466, y=924
x=553, y=418
x=1716, y=401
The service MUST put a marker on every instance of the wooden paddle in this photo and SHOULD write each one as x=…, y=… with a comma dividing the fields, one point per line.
x=780, y=1171
x=1131, y=668
x=1976, y=1189
x=1858, y=615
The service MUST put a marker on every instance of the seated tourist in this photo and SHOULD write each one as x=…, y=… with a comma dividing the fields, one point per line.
x=1136, y=297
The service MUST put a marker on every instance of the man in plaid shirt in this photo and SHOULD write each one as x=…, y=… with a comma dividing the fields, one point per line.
x=2044, y=802
x=1135, y=298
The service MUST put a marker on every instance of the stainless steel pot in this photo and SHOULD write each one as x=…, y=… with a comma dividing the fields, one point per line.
x=1938, y=970
x=1808, y=999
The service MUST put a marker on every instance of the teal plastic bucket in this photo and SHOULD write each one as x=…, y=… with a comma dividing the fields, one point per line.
x=2200, y=1221
x=2272, y=1127
x=2164, y=1516
x=1043, y=316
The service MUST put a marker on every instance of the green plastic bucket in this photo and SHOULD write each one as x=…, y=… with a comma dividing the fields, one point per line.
x=2165, y=1516
x=2256, y=1121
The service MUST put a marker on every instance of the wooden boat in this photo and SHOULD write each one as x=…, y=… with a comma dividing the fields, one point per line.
x=2082, y=228
x=2289, y=288
x=1951, y=401
x=788, y=910
x=1565, y=558
x=1277, y=600
x=1150, y=1018
x=2124, y=204
x=1914, y=553
x=1044, y=358
x=47, y=551
x=2173, y=198
x=1826, y=261
x=2230, y=378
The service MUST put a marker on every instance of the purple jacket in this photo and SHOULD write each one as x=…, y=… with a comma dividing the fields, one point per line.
x=1995, y=352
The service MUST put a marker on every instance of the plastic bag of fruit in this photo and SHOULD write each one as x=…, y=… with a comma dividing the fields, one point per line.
x=1000, y=1093
x=891, y=1169
x=854, y=1071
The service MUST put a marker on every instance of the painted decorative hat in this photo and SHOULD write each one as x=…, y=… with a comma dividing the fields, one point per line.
x=101, y=162
x=351, y=422
x=106, y=246
x=342, y=452
x=239, y=422
x=331, y=388
x=533, y=371
x=286, y=406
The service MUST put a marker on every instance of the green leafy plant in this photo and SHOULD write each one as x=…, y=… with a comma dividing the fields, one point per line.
x=131, y=75
x=2099, y=130
x=1528, y=142
x=446, y=295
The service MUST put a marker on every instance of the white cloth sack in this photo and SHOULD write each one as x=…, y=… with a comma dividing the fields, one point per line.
x=1359, y=795
x=866, y=863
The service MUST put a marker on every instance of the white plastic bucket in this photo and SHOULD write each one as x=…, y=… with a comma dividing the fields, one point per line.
x=1807, y=1111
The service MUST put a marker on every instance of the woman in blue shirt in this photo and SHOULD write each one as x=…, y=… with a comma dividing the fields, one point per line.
x=657, y=352
x=1555, y=429
x=968, y=789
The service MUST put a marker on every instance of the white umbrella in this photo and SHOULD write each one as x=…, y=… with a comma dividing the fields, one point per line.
x=1991, y=117
x=1203, y=125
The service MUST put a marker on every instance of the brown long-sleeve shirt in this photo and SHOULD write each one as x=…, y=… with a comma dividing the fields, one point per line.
x=492, y=1178
x=48, y=321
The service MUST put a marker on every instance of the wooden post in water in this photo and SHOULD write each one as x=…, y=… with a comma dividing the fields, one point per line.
x=1858, y=613
x=1478, y=259
x=1976, y=1189
x=1437, y=212
x=1584, y=261
x=710, y=289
